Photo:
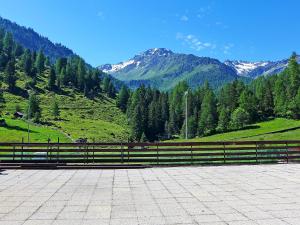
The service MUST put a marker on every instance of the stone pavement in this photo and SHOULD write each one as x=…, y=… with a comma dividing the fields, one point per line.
x=258, y=194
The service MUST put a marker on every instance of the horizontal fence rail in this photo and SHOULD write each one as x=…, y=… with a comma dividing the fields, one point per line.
x=148, y=154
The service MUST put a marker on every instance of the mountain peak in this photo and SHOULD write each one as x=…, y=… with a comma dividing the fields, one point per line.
x=157, y=52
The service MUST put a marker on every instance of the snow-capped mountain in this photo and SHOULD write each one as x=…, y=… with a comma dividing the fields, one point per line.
x=256, y=69
x=163, y=69
x=136, y=61
x=243, y=67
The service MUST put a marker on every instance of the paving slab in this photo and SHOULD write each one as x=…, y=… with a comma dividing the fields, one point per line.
x=256, y=194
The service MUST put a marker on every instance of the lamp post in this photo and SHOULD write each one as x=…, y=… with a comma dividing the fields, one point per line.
x=28, y=118
x=186, y=114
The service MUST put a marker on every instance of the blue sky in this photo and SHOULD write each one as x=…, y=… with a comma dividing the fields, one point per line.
x=110, y=31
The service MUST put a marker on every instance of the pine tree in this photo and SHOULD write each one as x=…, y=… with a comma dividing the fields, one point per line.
x=18, y=51
x=293, y=71
x=249, y=103
x=81, y=71
x=33, y=108
x=208, y=116
x=1, y=99
x=280, y=98
x=62, y=76
x=51, y=79
x=8, y=44
x=143, y=138
x=40, y=62
x=224, y=120
x=55, y=110
x=111, y=90
x=106, y=82
x=122, y=98
x=10, y=77
x=135, y=122
x=27, y=62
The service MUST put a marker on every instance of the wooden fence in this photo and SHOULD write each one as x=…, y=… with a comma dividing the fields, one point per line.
x=63, y=155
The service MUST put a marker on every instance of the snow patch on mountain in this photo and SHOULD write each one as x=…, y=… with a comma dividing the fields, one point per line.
x=116, y=67
x=137, y=60
x=242, y=67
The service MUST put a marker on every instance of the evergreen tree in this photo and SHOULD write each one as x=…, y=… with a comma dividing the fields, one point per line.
x=8, y=44
x=293, y=71
x=224, y=120
x=40, y=62
x=27, y=62
x=51, y=79
x=143, y=138
x=81, y=71
x=62, y=76
x=280, y=98
x=111, y=90
x=10, y=76
x=33, y=108
x=208, y=116
x=248, y=102
x=122, y=98
x=135, y=122
x=1, y=99
x=55, y=110
x=239, y=118
x=106, y=82
x=18, y=51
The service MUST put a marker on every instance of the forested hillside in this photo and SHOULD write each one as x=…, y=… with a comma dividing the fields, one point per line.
x=67, y=95
x=154, y=115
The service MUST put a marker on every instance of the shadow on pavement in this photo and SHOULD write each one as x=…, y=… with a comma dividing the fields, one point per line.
x=1, y=172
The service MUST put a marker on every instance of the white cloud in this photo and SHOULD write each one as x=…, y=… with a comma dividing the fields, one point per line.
x=184, y=18
x=194, y=43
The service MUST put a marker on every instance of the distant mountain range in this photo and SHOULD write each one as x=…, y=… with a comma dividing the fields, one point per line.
x=256, y=69
x=30, y=39
x=163, y=69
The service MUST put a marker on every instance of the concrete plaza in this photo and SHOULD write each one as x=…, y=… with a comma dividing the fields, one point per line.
x=258, y=194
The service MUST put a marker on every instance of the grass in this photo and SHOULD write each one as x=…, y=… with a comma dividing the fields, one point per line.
x=277, y=129
x=18, y=129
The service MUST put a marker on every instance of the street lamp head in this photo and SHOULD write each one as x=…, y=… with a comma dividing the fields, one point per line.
x=186, y=93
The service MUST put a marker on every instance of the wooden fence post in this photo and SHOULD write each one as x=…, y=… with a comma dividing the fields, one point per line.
x=57, y=153
x=191, y=154
x=287, y=152
x=256, y=152
x=224, y=153
x=93, y=150
x=157, y=156
x=22, y=149
x=122, y=153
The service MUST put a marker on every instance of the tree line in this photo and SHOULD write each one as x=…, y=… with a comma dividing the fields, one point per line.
x=155, y=115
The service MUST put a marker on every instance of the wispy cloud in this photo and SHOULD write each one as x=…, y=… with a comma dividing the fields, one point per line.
x=195, y=43
x=221, y=25
x=227, y=48
x=184, y=18
x=203, y=11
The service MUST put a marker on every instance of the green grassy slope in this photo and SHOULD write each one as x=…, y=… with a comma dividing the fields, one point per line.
x=277, y=129
x=96, y=119
x=18, y=129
